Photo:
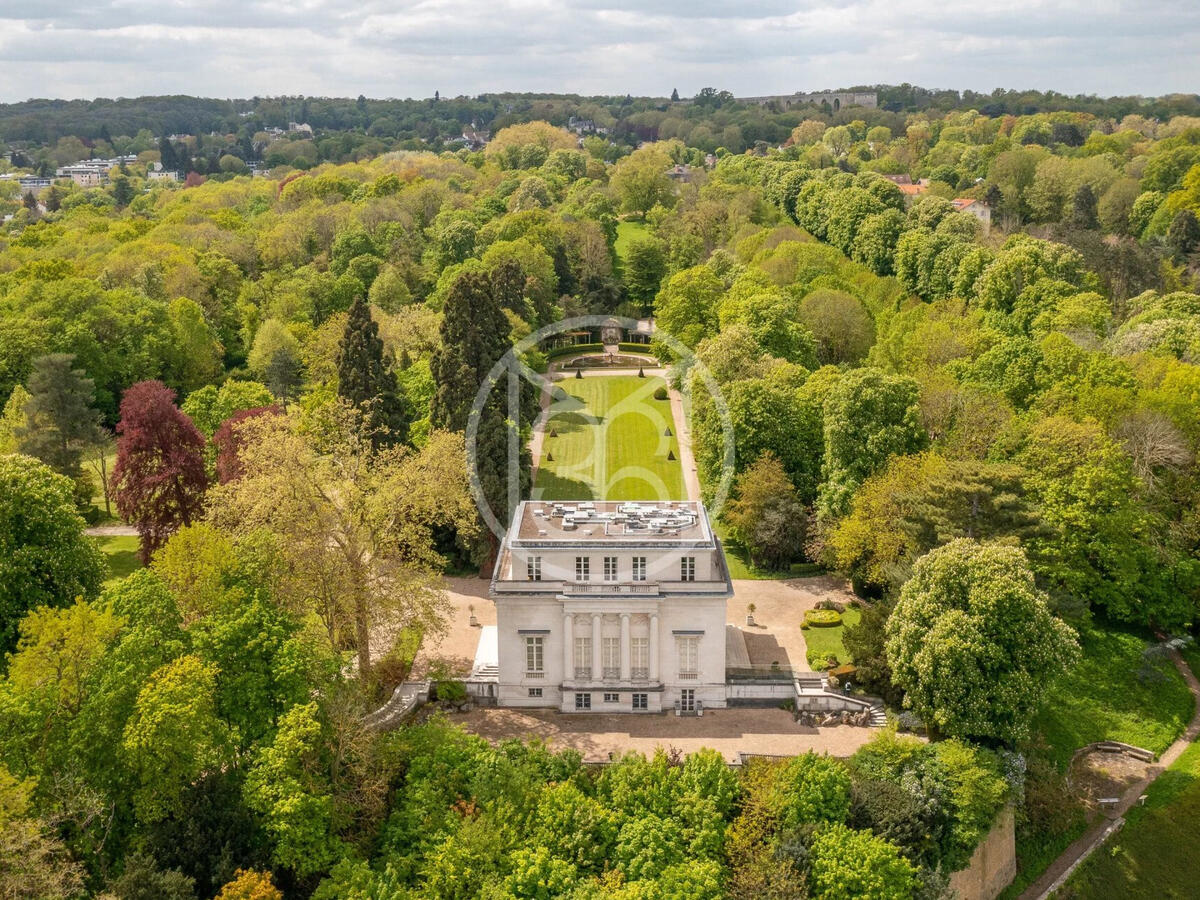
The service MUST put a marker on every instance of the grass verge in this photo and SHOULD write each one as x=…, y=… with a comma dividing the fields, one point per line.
x=121, y=552
x=1113, y=694
x=823, y=643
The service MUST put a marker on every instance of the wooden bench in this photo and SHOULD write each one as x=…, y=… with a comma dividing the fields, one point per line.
x=1109, y=802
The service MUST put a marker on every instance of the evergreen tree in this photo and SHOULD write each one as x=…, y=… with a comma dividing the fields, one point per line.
x=166, y=155
x=122, y=191
x=59, y=419
x=675, y=95
x=474, y=336
x=366, y=379
x=1184, y=234
x=1083, y=208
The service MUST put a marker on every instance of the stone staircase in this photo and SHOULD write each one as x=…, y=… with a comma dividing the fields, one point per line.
x=811, y=681
x=813, y=696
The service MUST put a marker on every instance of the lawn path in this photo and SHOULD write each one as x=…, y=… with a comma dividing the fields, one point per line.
x=111, y=531
x=1058, y=871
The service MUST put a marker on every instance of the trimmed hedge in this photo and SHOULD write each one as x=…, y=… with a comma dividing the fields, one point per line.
x=822, y=618
x=575, y=350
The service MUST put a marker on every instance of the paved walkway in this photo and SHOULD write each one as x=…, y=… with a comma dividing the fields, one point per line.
x=1060, y=870
x=111, y=531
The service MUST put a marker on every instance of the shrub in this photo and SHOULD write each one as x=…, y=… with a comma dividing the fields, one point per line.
x=822, y=618
x=451, y=691
x=660, y=393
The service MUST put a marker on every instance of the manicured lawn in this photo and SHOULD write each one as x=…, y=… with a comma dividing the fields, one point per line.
x=627, y=232
x=122, y=555
x=740, y=566
x=609, y=443
x=825, y=642
x=1155, y=854
x=1108, y=696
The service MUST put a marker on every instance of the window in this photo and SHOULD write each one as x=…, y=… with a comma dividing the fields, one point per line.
x=583, y=568
x=639, y=568
x=689, y=656
x=534, y=657
x=533, y=568
x=583, y=701
x=687, y=568
x=687, y=700
x=641, y=701
x=639, y=652
x=535, y=692
x=610, y=568
x=583, y=657
x=612, y=698
x=610, y=650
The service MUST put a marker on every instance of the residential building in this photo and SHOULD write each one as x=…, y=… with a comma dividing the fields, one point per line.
x=609, y=607
x=976, y=208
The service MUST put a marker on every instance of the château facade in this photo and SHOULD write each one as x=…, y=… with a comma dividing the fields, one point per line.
x=611, y=607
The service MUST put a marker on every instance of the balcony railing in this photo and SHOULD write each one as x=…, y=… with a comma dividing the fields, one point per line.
x=640, y=674
x=641, y=588
x=688, y=676
x=535, y=674
x=583, y=673
x=612, y=674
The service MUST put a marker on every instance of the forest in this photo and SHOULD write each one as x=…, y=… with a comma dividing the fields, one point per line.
x=990, y=431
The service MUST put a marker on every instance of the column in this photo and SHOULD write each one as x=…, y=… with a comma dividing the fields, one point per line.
x=568, y=647
x=654, y=648
x=597, y=660
x=626, y=676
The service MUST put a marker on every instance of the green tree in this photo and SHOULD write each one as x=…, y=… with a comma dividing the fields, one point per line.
x=12, y=419
x=767, y=517
x=811, y=790
x=846, y=863
x=60, y=422
x=973, y=643
x=174, y=734
x=640, y=180
x=34, y=864
x=285, y=786
x=209, y=406
x=45, y=558
x=843, y=329
x=366, y=380
x=1183, y=237
x=870, y=416
x=275, y=352
x=198, y=354
x=645, y=266
x=686, y=307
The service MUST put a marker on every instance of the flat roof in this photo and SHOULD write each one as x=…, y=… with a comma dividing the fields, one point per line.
x=578, y=522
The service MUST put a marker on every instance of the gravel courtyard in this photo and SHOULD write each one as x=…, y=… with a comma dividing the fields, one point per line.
x=728, y=731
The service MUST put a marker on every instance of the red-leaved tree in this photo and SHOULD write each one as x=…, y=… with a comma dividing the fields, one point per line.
x=228, y=441
x=159, y=477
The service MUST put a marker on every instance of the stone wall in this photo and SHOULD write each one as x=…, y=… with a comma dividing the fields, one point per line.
x=993, y=865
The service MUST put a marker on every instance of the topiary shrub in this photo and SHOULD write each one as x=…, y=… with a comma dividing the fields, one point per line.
x=822, y=618
x=660, y=393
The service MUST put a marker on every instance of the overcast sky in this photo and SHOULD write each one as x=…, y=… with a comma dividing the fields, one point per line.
x=410, y=48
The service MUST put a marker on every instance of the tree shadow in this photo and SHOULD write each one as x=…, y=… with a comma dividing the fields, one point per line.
x=549, y=485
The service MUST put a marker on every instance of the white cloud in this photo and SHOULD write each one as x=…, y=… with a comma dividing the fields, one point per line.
x=241, y=48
